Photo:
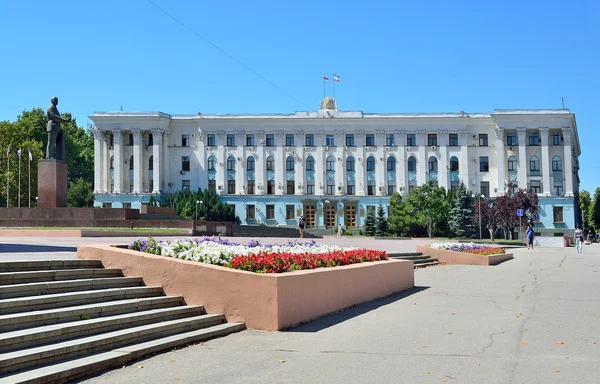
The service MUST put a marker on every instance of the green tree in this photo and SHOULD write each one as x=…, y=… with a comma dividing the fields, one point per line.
x=370, y=222
x=461, y=215
x=585, y=201
x=594, y=210
x=381, y=224
x=429, y=201
x=211, y=208
x=401, y=220
x=80, y=194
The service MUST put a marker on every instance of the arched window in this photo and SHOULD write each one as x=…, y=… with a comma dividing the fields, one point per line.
x=391, y=164
x=350, y=164
x=151, y=163
x=211, y=163
x=512, y=163
x=270, y=163
x=231, y=163
x=310, y=163
x=412, y=164
x=112, y=162
x=250, y=163
x=289, y=163
x=433, y=164
x=131, y=162
x=454, y=164
x=370, y=163
x=534, y=164
x=556, y=164
x=331, y=163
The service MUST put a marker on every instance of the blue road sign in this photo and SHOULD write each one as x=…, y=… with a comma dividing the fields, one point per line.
x=536, y=217
x=519, y=212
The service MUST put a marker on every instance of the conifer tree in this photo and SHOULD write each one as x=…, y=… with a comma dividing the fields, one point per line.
x=370, y=223
x=461, y=216
x=382, y=225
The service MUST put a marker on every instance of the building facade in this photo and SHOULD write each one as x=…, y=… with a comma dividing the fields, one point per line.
x=332, y=166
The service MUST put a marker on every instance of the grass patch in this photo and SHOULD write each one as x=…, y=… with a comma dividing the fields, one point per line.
x=103, y=229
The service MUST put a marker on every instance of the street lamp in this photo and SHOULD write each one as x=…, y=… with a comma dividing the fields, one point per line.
x=479, y=202
x=197, y=202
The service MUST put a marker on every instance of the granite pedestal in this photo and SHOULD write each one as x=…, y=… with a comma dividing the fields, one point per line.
x=52, y=184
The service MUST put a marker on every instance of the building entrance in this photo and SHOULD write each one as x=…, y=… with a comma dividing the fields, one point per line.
x=330, y=217
x=351, y=216
x=309, y=216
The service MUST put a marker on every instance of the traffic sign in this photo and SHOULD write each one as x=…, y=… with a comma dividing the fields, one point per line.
x=536, y=217
x=519, y=212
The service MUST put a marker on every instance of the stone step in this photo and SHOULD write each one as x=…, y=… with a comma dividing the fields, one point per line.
x=422, y=265
x=404, y=254
x=40, y=265
x=40, y=318
x=82, y=366
x=7, y=278
x=47, y=288
x=36, y=303
x=31, y=337
x=29, y=358
x=418, y=257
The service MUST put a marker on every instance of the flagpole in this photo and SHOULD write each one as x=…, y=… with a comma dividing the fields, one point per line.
x=8, y=178
x=333, y=86
x=323, y=86
x=19, y=189
x=29, y=183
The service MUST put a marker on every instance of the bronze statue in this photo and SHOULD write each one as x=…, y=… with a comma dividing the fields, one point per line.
x=55, y=134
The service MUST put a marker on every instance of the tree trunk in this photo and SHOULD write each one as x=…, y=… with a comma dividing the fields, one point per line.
x=429, y=228
x=492, y=231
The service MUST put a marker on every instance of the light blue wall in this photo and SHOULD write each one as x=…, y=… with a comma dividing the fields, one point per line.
x=547, y=204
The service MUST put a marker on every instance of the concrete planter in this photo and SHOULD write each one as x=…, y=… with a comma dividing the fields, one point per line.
x=453, y=257
x=262, y=301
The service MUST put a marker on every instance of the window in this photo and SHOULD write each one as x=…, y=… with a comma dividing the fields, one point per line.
x=534, y=138
x=513, y=188
x=370, y=140
x=556, y=140
x=309, y=140
x=289, y=140
x=484, y=164
x=370, y=164
x=211, y=163
x=212, y=186
x=250, y=212
x=126, y=205
x=185, y=140
x=556, y=164
x=329, y=141
x=349, y=140
x=270, y=187
x=111, y=140
x=534, y=165
x=130, y=139
x=431, y=140
x=411, y=140
x=433, y=164
x=310, y=188
x=231, y=187
x=485, y=188
x=185, y=185
x=250, y=140
x=483, y=140
x=412, y=164
x=390, y=140
x=350, y=188
x=151, y=185
x=270, y=140
x=131, y=162
x=112, y=162
x=454, y=164
x=371, y=188
x=512, y=164
x=291, y=187
x=289, y=212
x=210, y=140
x=270, y=163
x=231, y=163
x=289, y=163
x=106, y=205
x=411, y=188
x=151, y=163
x=511, y=139
x=391, y=189
x=331, y=187
x=330, y=163
x=535, y=186
x=150, y=140
x=391, y=164
x=250, y=187
x=310, y=164
x=350, y=164
x=558, y=214
x=453, y=140
x=230, y=140
x=270, y=212
x=250, y=164
x=130, y=185
x=558, y=188
x=185, y=163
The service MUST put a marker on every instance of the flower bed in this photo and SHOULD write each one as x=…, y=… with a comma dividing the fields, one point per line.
x=473, y=248
x=465, y=253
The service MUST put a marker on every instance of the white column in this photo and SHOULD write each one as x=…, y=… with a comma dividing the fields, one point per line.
x=443, y=169
x=165, y=177
x=260, y=163
x=568, y=162
x=240, y=160
x=320, y=186
x=401, y=164
x=118, y=138
x=157, y=138
x=98, y=160
x=500, y=160
x=299, y=179
x=546, y=170
x=380, y=164
x=360, y=163
x=464, y=161
x=523, y=162
x=340, y=157
x=280, y=157
x=202, y=174
x=137, y=161
x=422, y=166
x=105, y=165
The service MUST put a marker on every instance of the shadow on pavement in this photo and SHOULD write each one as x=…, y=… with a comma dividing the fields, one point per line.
x=349, y=313
x=30, y=248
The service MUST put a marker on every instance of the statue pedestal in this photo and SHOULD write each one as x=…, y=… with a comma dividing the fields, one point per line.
x=52, y=184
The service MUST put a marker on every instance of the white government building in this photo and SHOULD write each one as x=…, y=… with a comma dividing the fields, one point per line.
x=332, y=166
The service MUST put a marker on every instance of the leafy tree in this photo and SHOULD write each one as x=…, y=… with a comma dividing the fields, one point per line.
x=80, y=194
x=429, y=201
x=211, y=208
x=509, y=203
x=370, y=222
x=382, y=225
x=594, y=210
x=461, y=215
x=401, y=221
x=585, y=201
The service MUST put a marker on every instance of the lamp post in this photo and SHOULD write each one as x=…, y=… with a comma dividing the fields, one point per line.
x=479, y=203
x=197, y=202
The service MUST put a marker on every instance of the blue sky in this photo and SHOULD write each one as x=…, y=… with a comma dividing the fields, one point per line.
x=393, y=56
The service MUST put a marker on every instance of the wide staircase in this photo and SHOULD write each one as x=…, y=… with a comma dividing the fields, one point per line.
x=64, y=319
x=419, y=260
x=270, y=231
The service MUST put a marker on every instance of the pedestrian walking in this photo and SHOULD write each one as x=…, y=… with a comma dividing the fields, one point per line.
x=530, y=235
x=578, y=238
x=301, y=226
x=340, y=231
